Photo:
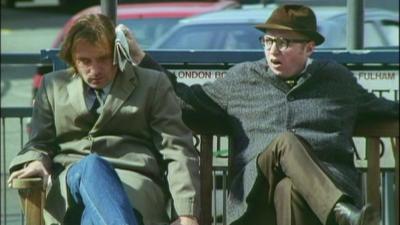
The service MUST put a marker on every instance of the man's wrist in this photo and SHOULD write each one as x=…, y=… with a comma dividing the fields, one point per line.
x=138, y=56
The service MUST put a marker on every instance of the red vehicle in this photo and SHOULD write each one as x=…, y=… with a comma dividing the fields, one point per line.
x=148, y=20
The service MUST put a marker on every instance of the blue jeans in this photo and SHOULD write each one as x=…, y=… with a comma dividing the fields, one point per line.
x=96, y=187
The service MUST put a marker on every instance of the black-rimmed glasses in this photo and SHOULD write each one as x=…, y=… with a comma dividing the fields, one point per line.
x=280, y=42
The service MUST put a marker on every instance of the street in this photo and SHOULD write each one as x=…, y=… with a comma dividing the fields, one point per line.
x=25, y=30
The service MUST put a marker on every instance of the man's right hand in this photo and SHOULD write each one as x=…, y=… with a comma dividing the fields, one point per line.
x=33, y=169
x=136, y=52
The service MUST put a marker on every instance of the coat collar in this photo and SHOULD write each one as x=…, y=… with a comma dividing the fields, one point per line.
x=76, y=93
x=261, y=67
x=123, y=85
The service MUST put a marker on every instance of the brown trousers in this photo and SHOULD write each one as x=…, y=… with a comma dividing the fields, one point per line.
x=296, y=190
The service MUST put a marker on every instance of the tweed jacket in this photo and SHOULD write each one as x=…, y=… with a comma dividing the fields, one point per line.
x=322, y=108
x=140, y=132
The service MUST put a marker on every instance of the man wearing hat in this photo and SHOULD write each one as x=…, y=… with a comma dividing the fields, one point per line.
x=292, y=118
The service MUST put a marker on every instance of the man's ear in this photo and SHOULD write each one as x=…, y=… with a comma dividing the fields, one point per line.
x=310, y=46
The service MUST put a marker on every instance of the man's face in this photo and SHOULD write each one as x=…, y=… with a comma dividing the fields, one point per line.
x=94, y=62
x=289, y=56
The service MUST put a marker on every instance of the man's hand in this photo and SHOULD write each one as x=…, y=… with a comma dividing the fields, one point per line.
x=185, y=220
x=136, y=52
x=33, y=169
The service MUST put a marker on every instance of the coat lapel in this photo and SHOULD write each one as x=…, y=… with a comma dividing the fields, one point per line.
x=262, y=68
x=123, y=86
x=76, y=95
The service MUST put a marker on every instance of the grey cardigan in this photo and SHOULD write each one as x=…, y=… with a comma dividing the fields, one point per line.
x=322, y=108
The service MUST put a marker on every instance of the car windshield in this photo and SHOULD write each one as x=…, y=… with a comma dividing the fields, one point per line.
x=147, y=30
x=378, y=33
x=217, y=36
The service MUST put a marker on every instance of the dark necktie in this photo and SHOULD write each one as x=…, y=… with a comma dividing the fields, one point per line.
x=98, y=102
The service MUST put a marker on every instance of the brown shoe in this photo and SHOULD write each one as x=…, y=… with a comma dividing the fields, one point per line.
x=348, y=214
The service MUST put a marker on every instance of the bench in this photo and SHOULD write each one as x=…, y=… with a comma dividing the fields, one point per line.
x=372, y=131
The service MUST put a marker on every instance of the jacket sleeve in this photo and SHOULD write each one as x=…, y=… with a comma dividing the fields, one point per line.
x=42, y=140
x=174, y=141
x=369, y=106
x=198, y=107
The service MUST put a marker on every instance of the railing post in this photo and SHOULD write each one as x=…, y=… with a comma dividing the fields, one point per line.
x=395, y=148
x=109, y=8
x=355, y=24
x=206, y=178
x=373, y=173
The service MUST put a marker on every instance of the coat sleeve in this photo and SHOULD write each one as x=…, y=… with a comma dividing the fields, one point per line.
x=371, y=107
x=42, y=140
x=174, y=141
x=197, y=105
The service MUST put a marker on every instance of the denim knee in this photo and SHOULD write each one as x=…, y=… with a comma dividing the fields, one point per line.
x=92, y=159
x=88, y=165
x=93, y=163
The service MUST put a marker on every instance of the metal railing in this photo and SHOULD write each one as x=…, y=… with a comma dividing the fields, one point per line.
x=13, y=135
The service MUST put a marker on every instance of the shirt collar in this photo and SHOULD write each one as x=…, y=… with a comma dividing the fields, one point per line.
x=308, y=62
x=107, y=88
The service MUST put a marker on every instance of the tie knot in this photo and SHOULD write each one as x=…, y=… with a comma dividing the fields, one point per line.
x=98, y=93
x=95, y=91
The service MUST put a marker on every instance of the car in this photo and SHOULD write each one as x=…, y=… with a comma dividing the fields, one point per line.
x=234, y=29
x=148, y=20
x=70, y=5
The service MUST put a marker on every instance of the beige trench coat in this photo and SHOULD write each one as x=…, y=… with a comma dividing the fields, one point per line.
x=139, y=131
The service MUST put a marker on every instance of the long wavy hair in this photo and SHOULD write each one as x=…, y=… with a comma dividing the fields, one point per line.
x=94, y=28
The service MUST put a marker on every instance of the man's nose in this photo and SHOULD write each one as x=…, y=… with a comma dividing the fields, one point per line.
x=274, y=48
x=97, y=67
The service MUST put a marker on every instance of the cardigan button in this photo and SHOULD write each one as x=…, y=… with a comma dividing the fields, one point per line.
x=290, y=98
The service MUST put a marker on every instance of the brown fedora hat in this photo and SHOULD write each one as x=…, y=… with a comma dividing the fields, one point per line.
x=297, y=18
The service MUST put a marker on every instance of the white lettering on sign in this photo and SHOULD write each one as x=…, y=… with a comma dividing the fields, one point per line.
x=376, y=75
x=190, y=77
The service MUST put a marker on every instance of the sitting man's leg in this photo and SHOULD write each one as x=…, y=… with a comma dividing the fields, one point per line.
x=289, y=156
x=94, y=184
x=290, y=206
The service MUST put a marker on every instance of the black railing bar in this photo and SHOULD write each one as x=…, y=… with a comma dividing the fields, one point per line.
x=13, y=112
x=224, y=186
x=215, y=198
x=4, y=197
x=22, y=58
x=207, y=57
x=383, y=193
x=21, y=133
